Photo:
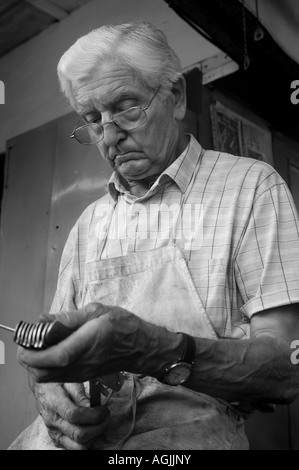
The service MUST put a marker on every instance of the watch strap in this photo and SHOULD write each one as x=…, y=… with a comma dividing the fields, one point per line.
x=188, y=353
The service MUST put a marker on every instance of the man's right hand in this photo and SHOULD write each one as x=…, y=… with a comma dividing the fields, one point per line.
x=66, y=412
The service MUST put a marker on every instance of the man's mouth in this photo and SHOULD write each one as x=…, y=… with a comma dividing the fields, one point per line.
x=119, y=159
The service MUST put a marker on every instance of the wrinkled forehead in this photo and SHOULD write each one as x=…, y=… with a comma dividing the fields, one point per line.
x=105, y=85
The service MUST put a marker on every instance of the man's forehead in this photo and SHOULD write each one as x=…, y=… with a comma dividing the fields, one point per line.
x=107, y=85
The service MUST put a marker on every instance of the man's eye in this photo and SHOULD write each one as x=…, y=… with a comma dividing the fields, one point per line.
x=125, y=105
x=92, y=118
x=97, y=120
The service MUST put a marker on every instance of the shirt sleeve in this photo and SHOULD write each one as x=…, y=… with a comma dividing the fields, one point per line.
x=267, y=260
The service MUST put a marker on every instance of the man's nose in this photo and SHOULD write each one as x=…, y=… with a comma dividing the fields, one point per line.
x=113, y=134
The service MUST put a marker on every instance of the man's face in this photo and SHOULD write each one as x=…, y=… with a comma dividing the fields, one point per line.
x=139, y=153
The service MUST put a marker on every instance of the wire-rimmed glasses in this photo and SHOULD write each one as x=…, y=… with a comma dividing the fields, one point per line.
x=93, y=132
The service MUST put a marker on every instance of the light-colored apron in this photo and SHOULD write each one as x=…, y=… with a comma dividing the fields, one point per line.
x=145, y=414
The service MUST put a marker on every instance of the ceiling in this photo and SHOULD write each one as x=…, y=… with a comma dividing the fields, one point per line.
x=20, y=20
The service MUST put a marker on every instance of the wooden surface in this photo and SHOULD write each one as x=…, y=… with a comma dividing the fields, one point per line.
x=21, y=20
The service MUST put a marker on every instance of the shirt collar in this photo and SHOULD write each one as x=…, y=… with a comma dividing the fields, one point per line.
x=180, y=171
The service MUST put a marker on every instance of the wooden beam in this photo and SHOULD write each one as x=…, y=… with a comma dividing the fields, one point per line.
x=47, y=7
x=216, y=67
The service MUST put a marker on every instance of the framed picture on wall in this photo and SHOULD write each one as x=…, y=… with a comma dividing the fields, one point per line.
x=232, y=133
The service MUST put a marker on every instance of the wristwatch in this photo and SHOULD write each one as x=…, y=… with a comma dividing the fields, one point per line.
x=178, y=372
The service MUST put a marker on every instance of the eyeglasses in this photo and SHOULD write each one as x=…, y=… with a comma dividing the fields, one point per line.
x=130, y=119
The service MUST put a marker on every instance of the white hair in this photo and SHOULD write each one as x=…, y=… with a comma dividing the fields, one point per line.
x=141, y=46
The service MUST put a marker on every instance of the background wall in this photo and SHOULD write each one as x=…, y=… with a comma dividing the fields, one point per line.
x=50, y=181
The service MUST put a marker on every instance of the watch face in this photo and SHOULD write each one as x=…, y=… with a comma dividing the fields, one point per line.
x=178, y=373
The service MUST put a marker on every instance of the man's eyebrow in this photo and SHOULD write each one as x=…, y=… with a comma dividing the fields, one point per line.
x=124, y=95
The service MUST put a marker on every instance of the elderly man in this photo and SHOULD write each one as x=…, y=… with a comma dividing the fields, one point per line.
x=182, y=281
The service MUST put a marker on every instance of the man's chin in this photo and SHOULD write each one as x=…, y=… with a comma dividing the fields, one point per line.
x=133, y=171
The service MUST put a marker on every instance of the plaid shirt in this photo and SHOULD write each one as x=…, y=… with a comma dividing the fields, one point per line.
x=238, y=231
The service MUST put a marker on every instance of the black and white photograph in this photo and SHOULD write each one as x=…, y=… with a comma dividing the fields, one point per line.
x=149, y=228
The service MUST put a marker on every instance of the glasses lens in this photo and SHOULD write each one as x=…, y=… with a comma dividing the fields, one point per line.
x=130, y=119
x=127, y=120
x=90, y=134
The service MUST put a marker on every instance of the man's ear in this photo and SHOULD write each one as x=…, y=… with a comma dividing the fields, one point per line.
x=180, y=99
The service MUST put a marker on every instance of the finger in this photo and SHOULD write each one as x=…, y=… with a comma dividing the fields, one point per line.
x=82, y=415
x=68, y=444
x=84, y=434
x=46, y=317
x=64, y=442
x=65, y=352
x=77, y=394
x=60, y=406
x=77, y=318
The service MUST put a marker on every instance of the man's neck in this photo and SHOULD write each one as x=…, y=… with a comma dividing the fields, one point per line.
x=140, y=188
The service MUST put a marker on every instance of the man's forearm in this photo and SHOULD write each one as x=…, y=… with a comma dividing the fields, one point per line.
x=255, y=370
